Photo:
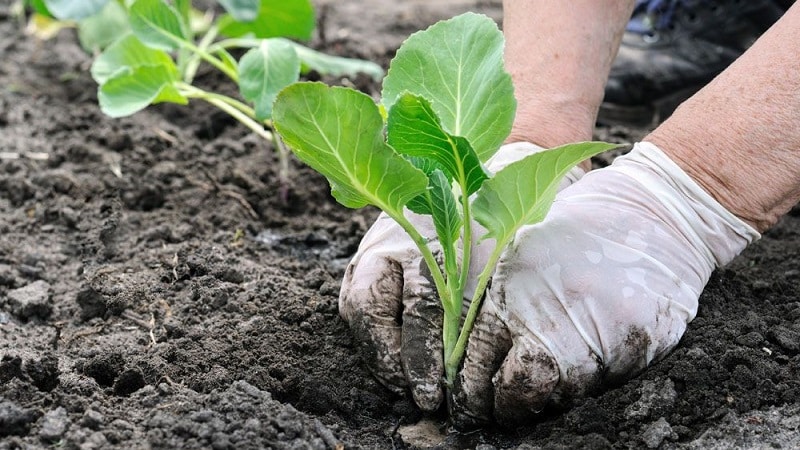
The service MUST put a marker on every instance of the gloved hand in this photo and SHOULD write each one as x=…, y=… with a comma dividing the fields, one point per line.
x=390, y=302
x=604, y=286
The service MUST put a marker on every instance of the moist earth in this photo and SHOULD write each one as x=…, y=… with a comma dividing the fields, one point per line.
x=162, y=287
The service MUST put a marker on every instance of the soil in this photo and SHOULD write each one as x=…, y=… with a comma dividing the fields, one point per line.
x=159, y=289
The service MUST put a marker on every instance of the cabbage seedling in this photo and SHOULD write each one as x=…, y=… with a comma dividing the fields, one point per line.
x=447, y=106
x=151, y=51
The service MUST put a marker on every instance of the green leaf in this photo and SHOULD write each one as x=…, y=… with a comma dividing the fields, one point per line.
x=158, y=25
x=265, y=70
x=132, y=89
x=74, y=9
x=457, y=65
x=325, y=64
x=339, y=133
x=446, y=218
x=228, y=60
x=241, y=10
x=276, y=18
x=415, y=130
x=39, y=7
x=522, y=192
x=335, y=65
x=129, y=52
x=421, y=204
x=97, y=32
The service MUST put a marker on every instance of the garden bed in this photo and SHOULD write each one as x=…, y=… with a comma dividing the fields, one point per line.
x=158, y=291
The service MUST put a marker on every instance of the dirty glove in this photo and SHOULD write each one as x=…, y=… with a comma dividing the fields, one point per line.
x=600, y=289
x=390, y=302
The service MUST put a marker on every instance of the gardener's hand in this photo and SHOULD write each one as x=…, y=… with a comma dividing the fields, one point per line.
x=390, y=302
x=600, y=289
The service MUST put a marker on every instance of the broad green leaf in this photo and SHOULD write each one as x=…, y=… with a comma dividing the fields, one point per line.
x=130, y=52
x=74, y=9
x=339, y=133
x=97, y=32
x=415, y=130
x=265, y=70
x=321, y=62
x=158, y=25
x=241, y=10
x=522, y=192
x=457, y=65
x=335, y=65
x=421, y=204
x=276, y=18
x=446, y=218
x=132, y=89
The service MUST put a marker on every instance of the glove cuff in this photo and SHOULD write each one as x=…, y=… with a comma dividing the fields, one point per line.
x=706, y=222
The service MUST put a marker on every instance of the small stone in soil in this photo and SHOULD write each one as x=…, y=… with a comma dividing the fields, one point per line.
x=656, y=432
x=423, y=434
x=92, y=419
x=54, y=425
x=31, y=300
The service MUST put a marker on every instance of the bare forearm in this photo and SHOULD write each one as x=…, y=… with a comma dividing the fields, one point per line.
x=739, y=137
x=559, y=55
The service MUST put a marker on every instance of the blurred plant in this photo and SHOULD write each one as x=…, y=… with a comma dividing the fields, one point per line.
x=447, y=105
x=149, y=51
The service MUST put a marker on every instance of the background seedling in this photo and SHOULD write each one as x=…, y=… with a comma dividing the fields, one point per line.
x=149, y=51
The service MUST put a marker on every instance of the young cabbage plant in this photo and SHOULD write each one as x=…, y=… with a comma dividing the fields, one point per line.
x=150, y=50
x=447, y=106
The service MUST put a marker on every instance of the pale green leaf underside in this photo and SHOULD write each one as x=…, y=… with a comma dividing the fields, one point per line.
x=339, y=133
x=457, y=65
x=74, y=9
x=130, y=52
x=522, y=192
x=414, y=130
x=132, y=89
x=157, y=24
x=265, y=70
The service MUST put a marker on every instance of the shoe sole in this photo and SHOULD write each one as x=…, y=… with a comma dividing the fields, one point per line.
x=643, y=116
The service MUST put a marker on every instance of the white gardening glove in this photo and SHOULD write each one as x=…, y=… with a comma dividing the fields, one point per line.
x=390, y=302
x=601, y=288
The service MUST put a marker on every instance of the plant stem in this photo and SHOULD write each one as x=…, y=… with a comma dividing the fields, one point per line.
x=235, y=108
x=283, y=169
x=454, y=359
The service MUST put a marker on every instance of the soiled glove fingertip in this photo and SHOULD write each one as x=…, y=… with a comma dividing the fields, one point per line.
x=428, y=396
x=524, y=385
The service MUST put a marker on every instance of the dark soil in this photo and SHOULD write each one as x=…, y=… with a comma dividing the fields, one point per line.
x=157, y=290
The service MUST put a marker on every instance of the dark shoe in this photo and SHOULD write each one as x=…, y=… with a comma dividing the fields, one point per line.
x=672, y=48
